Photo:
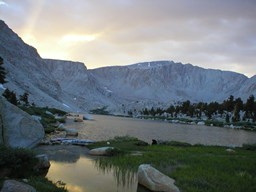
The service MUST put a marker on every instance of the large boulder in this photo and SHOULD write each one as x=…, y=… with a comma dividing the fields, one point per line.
x=18, y=129
x=100, y=151
x=154, y=180
x=14, y=186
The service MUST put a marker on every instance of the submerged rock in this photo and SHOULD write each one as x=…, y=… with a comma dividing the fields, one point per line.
x=14, y=186
x=71, y=132
x=100, y=151
x=154, y=180
x=18, y=129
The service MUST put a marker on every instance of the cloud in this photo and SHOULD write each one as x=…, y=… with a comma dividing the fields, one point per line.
x=212, y=34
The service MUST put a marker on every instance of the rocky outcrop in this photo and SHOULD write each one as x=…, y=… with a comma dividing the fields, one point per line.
x=100, y=151
x=18, y=129
x=154, y=180
x=14, y=186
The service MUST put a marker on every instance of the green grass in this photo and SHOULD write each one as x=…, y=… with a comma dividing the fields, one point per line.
x=42, y=184
x=19, y=163
x=196, y=168
x=47, y=120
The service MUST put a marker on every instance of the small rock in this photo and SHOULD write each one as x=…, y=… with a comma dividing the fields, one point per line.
x=200, y=123
x=100, y=151
x=38, y=118
x=48, y=113
x=108, y=143
x=61, y=127
x=230, y=150
x=43, y=162
x=87, y=117
x=154, y=180
x=25, y=180
x=78, y=120
x=14, y=186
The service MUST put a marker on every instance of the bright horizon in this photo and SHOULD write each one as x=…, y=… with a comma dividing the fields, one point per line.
x=209, y=34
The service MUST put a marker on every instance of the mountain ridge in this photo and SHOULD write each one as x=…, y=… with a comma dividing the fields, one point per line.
x=71, y=86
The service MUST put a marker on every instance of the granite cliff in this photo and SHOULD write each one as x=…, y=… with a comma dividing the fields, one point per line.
x=72, y=87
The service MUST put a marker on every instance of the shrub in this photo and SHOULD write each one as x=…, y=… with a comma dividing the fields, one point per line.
x=17, y=161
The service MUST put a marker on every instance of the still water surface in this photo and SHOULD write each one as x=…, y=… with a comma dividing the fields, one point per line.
x=106, y=127
x=73, y=165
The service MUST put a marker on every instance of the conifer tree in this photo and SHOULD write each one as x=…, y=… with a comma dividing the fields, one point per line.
x=10, y=96
x=2, y=72
x=24, y=98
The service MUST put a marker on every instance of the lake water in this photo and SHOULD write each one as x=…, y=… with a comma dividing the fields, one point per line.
x=73, y=166
x=107, y=127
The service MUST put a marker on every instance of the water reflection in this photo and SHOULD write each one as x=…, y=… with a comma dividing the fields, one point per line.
x=82, y=173
x=124, y=177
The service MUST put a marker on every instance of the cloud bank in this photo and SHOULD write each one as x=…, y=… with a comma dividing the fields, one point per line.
x=212, y=34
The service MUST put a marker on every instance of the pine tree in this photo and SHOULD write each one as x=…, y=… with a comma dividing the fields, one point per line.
x=2, y=72
x=10, y=96
x=24, y=98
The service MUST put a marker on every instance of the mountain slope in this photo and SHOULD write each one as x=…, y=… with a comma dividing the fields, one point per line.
x=166, y=81
x=70, y=86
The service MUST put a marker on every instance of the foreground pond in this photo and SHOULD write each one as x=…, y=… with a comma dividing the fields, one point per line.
x=72, y=165
x=107, y=127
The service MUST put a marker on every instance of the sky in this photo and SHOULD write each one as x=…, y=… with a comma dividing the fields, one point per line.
x=219, y=34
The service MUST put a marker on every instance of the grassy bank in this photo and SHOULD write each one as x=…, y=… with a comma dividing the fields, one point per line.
x=18, y=164
x=195, y=168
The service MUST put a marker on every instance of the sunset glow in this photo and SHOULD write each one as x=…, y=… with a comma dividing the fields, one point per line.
x=210, y=34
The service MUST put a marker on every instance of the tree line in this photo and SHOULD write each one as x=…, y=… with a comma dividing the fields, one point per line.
x=231, y=108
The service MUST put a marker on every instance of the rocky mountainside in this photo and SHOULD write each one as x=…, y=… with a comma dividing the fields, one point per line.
x=168, y=81
x=70, y=86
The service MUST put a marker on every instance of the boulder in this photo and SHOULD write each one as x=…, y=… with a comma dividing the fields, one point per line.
x=14, y=186
x=43, y=162
x=61, y=127
x=87, y=117
x=100, y=151
x=200, y=123
x=154, y=180
x=71, y=132
x=18, y=129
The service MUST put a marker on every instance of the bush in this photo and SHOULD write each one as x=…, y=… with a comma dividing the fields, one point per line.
x=176, y=143
x=62, y=120
x=16, y=162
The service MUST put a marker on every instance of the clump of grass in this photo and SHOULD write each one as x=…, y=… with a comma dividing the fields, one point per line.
x=42, y=184
x=176, y=143
x=251, y=147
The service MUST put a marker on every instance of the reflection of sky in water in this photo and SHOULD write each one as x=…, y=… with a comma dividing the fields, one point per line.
x=84, y=176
